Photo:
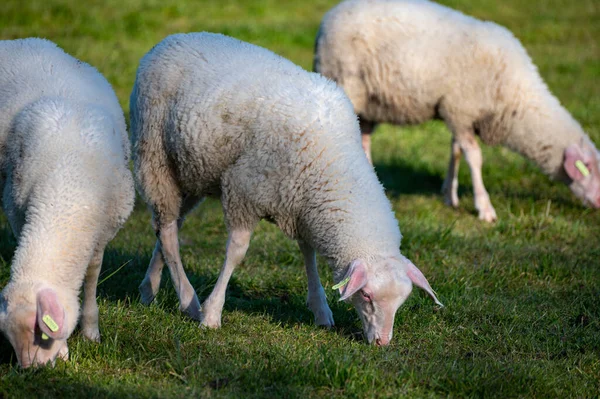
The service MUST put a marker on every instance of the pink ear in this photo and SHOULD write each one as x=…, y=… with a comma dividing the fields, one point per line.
x=357, y=272
x=50, y=314
x=419, y=280
x=573, y=153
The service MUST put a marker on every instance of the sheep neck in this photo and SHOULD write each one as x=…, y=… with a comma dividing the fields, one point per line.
x=541, y=132
x=348, y=216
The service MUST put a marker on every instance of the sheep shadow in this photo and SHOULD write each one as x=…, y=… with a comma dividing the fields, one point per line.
x=399, y=177
x=402, y=178
x=280, y=304
x=289, y=309
x=8, y=243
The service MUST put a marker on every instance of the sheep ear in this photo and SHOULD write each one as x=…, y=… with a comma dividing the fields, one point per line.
x=354, y=280
x=50, y=314
x=573, y=156
x=419, y=280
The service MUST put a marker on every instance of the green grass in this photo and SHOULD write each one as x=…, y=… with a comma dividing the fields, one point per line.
x=522, y=317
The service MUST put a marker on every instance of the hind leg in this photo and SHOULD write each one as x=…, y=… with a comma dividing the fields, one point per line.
x=151, y=283
x=450, y=186
x=169, y=245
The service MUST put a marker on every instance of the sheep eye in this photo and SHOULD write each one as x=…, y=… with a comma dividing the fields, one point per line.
x=366, y=296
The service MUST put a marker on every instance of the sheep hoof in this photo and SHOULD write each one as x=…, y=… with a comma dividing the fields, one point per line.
x=451, y=201
x=209, y=321
x=324, y=319
x=450, y=196
x=146, y=292
x=63, y=352
x=193, y=309
x=93, y=334
x=488, y=215
x=322, y=312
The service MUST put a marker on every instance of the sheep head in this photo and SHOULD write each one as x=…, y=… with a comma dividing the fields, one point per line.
x=582, y=165
x=377, y=289
x=35, y=325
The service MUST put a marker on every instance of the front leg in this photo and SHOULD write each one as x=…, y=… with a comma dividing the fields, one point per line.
x=474, y=159
x=89, y=316
x=237, y=245
x=316, y=299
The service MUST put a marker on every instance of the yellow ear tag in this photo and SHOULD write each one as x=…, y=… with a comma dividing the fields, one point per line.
x=45, y=337
x=582, y=168
x=49, y=321
x=341, y=283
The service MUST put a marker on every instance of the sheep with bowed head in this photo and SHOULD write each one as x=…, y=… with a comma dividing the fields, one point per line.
x=214, y=116
x=409, y=61
x=67, y=190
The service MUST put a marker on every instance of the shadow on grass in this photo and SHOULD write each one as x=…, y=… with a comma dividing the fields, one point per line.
x=555, y=193
x=284, y=304
x=8, y=244
x=400, y=177
x=281, y=304
x=55, y=383
x=483, y=295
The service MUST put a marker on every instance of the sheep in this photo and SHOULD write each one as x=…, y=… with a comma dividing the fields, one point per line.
x=214, y=116
x=67, y=190
x=409, y=61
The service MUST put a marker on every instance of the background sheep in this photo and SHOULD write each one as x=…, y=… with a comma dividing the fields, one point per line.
x=67, y=191
x=211, y=115
x=406, y=62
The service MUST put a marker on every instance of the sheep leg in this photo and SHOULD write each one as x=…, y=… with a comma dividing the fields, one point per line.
x=316, y=299
x=474, y=159
x=89, y=316
x=169, y=245
x=366, y=129
x=63, y=352
x=450, y=186
x=237, y=245
x=151, y=283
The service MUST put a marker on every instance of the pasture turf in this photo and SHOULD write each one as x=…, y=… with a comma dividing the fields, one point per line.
x=521, y=319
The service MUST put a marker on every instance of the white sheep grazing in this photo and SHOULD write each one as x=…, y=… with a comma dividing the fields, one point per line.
x=67, y=191
x=408, y=61
x=214, y=116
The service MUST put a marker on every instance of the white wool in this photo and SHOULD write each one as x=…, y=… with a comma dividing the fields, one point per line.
x=407, y=61
x=214, y=116
x=288, y=139
x=64, y=152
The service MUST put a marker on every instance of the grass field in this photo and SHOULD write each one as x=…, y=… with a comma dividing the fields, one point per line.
x=521, y=319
